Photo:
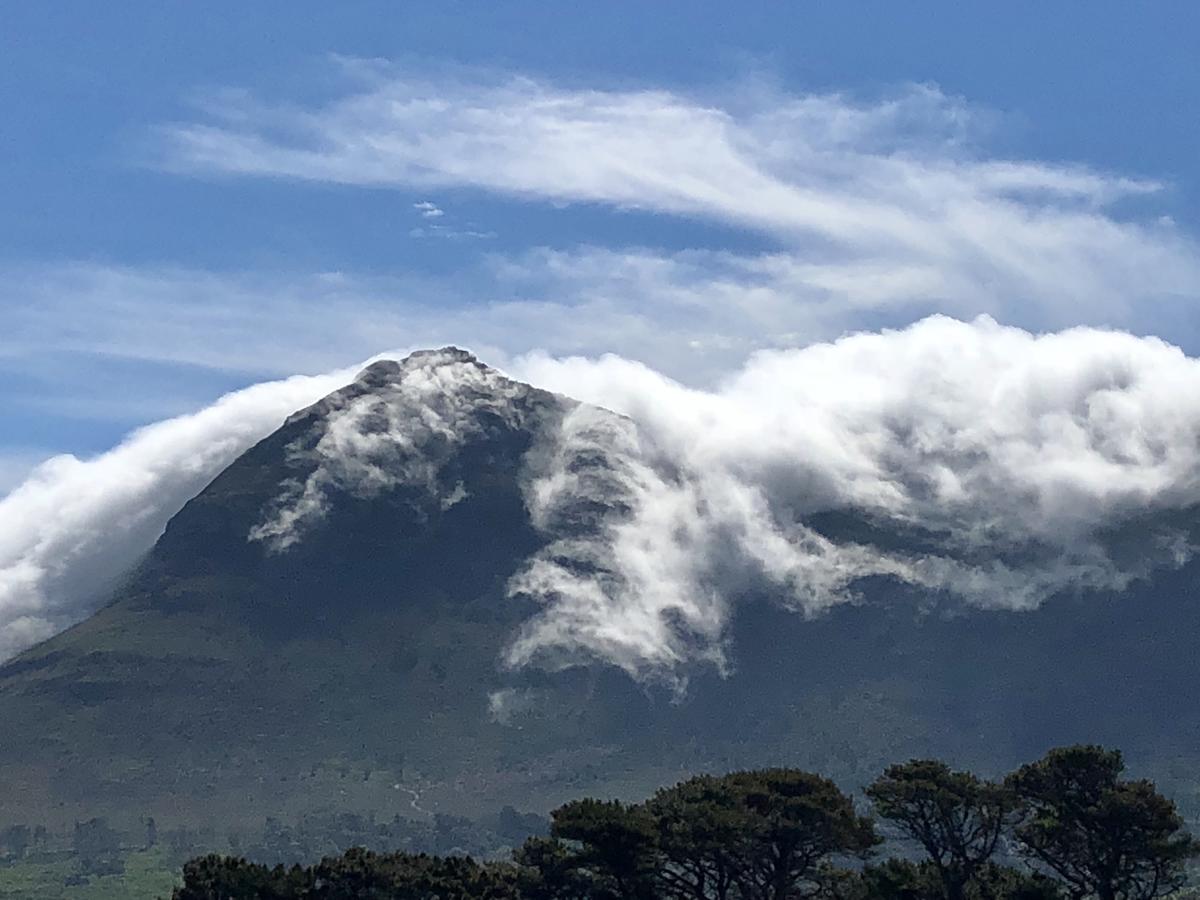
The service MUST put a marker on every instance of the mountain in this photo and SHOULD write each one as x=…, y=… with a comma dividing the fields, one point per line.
x=353, y=616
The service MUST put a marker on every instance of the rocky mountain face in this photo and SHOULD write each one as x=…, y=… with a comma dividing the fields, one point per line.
x=416, y=597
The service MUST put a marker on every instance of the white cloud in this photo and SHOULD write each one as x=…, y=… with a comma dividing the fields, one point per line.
x=876, y=206
x=1010, y=452
x=74, y=525
x=875, y=214
x=1008, y=460
x=429, y=210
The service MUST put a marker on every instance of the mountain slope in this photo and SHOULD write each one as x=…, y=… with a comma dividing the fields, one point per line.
x=332, y=623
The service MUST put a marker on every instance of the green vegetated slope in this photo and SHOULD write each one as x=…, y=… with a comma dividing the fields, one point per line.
x=148, y=874
x=225, y=683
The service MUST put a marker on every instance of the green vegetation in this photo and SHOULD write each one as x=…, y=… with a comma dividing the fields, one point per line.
x=1078, y=829
x=145, y=874
x=957, y=818
x=91, y=859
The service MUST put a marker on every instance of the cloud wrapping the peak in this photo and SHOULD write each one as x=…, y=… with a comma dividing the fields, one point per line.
x=399, y=433
x=978, y=463
x=76, y=525
x=793, y=436
x=1005, y=462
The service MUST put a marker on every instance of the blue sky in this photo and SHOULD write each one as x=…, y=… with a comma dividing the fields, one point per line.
x=936, y=261
x=148, y=267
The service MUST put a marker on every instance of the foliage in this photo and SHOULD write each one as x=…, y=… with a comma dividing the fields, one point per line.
x=356, y=874
x=615, y=846
x=956, y=817
x=1103, y=836
x=785, y=834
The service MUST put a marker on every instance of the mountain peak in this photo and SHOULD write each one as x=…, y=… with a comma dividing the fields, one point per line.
x=398, y=427
x=386, y=371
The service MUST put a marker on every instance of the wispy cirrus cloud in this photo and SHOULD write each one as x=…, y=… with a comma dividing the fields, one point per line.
x=873, y=214
x=891, y=204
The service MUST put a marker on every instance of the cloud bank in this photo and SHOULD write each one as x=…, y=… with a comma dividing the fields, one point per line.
x=982, y=464
x=1007, y=463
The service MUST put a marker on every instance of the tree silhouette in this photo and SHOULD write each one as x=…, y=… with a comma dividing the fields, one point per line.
x=784, y=834
x=797, y=821
x=1103, y=836
x=616, y=845
x=956, y=817
x=703, y=828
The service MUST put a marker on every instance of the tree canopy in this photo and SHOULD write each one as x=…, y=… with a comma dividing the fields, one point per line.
x=1080, y=829
x=1103, y=836
x=956, y=817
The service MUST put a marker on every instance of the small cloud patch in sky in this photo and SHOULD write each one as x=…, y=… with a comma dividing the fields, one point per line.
x=439, y=226
x=429, y=210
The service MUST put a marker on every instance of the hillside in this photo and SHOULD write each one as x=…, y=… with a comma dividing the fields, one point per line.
x=324, y=630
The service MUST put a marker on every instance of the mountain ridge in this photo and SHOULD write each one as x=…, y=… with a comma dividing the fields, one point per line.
x=234, y=677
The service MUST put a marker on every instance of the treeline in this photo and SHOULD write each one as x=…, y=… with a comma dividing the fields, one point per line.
x=1066, y=827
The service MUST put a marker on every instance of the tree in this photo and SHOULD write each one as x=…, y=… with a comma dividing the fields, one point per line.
x=702, y=827
x=548, y=870
x=615, y=845
x=762, y=835
x=213, y=877
x=956, y=817
x=358, y=874
x=797, y=821
x=897, y=879
x=1105, y=837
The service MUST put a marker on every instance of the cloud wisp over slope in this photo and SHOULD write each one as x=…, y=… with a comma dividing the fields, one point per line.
x=75, y=525
x=1006, y=460
x=1012, y=457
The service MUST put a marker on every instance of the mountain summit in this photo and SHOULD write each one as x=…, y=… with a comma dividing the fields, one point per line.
x=438, y=582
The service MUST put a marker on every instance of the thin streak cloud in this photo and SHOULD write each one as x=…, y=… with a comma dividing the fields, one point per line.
x=844, y=187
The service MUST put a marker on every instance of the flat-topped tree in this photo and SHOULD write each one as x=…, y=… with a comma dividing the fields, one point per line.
x=615, y=846
x=798, y=822
x=1104, y=836
x=703, y=831
x=769, y=834
x=956, y=817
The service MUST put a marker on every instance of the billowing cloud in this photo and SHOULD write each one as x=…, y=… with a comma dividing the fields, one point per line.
x=1001, y=459
x=997, y=466
x=983, y=464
